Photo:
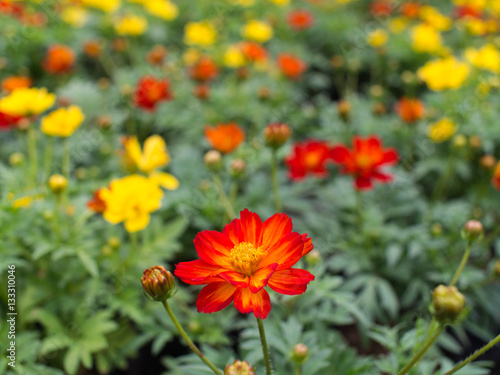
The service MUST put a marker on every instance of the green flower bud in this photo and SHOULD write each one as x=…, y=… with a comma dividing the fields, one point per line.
x=447, y=303
x=158, y=283
x=239, y=368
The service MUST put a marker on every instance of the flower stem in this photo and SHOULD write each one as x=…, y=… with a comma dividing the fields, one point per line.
x=223, y=197
x=274, y=177
x=48, y=158
x=359, y=211
x=66, y=158
x=265, y=349
x=32, y=154
x=422, y=351
x=297, y=369
x=462, y=264
x=469, y=359
x=184, y=335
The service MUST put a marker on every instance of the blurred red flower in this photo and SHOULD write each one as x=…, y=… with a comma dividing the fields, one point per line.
x=410, y=110
x=468, y=11
x=308, y=158
x=300, y=19
x=8, y=122
x=15, y=82
x=96, y=204
x=410, y=9
x=291, y=66
x=496, y=177
x=204, y=70
x=381, y=7
x=150, y=90
x=253, y=51
x=365, y=160
x=225, y=138
x=246, y=257
x=59, y=59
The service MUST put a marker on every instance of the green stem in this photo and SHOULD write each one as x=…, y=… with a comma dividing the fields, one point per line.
x=193, y=347
x=297, y=369
x=265, y=349
x=223, y=197
x=359, y=211
x=422, y=351
x=274, y=177
x=462, y=264
x=48, y=158
x=472, y=357
x=66, y=158
x=32, y=153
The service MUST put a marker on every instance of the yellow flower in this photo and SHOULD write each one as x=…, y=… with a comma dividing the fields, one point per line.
x=74, y=16
x=378, y=38
x=200, y=33
x=234, y=58
x=154, y=156
x=107, y=6
x=494, y=7
x=162, y=9
x=445, y=73
x=243, y=3
x=397, y=25
x=476, y=4
x=432, y=16
x=487, y=57
x=131, y=200
x=22, y=202
x=280, y=2
x=426, y=38
x=442, y=130
x=63, y=122
x=257, y=30
x=27, y=102
x=131, y=25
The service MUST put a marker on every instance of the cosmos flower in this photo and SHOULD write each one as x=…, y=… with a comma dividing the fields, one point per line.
x=59, y=59
x=410, y=110
x=150, y=90
x=300, y=19
x=203, y=70
x=225, y=137
x=308, y=158
x=27, y=102
x=291, y=66
x=248, y=256
x=63, y=122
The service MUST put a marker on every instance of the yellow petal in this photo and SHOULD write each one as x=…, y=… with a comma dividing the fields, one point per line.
x=165, y=180
x=137, y=223
x=155, y=154
x=133, y=149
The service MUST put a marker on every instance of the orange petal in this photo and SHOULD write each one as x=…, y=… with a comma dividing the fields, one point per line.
x=196, y=272
x=274, y=228
x=291, y=281
x=213, y=247
x=287, y=251
x=235, y=278
x=252, y=227
x=259, y=303
x=259, y=278
x=308, y=245
x=234, y=231
x=215, y=296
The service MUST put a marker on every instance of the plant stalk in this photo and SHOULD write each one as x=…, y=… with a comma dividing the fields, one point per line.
x=463, y=262
x=265, y=348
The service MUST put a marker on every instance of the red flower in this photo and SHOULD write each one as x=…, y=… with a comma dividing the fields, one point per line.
x=246, y=257
x=291, y=66
x=381, y=8
x=410, y=9
x=225, y=138
x=253, y=51
x=300, y=19
x=309, y=157
x=150, y=91
x=204, y=70
x=59, y=59
x=96, y=204
x=468, y=11
x=365, y=160
x=496, y=177
x=8, y=122
x=410, y=110
x=202, y=92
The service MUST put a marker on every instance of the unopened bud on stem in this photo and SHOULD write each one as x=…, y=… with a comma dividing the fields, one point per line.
x=158, y=283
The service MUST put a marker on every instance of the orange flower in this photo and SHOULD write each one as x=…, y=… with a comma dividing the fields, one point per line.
x=96, y=204
x=225, y=137
x=59, y=59
x=253, y=51
x=157, y=55
x=246, y=257
x=150, y=91
x=202, y=92
x=300, y=19
x=92, y=48
x=204, y=70
x=410, y=9
x=496, y=177
x=410, y=110
x=15, y=82
x=291, y=66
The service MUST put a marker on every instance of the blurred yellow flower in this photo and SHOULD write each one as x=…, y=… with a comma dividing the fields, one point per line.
x=22, y=202
x=63, y=122
x=131, y=25
x=280, y=2
x=27, y=102
x=162, y=8
x=259, y=31
x=131, y=200
x=200, y=33
x=243, y=3
x=107, y=6
x=445, y=73
x=494, y=7
x=476, y=4
x=425, y=38
x=75, y=16
x=397, y=25
x=442, y=130
x=432, y=16
x=377, y=38
x=234, y=57
x=154, y=156
x=486, y=57
x=191, y=56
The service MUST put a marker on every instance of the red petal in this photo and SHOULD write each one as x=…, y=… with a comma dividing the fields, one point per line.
x=196, y=272
x=390, y=156
x=213, y=247
x=259, y=278
x=274, y=228
x=215, y=296
x=383, y=177
x=252, y=227
x=291, y=281
x=286, y=252
x=236, y=279
x=245, y=301
x=340, y=154
x=234, y=231
x=363, y=183
x=308, y=245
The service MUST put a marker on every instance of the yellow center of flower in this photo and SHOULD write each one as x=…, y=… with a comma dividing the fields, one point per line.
x=245, y=258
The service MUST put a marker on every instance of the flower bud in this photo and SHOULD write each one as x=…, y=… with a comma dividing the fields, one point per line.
x=16, y=159
x=194, y=326
x=487, y=161
x=114, y=242
x=264, y=93
x=436, y=229
x=239, y=368
x=447, y=303
x=156, y=55
x=344, y=110
x=379, y=109
x=472, y=230
x=57, y=183
x=459, y=140
x=496, y=270
x=202, y=92
x=158, y=283
x=313, y=257
x=276, y=135
x=213, y=160
x=299, y=353
x=337, y=61
x=475, y=141
x=104, y=122
x=237, y=167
